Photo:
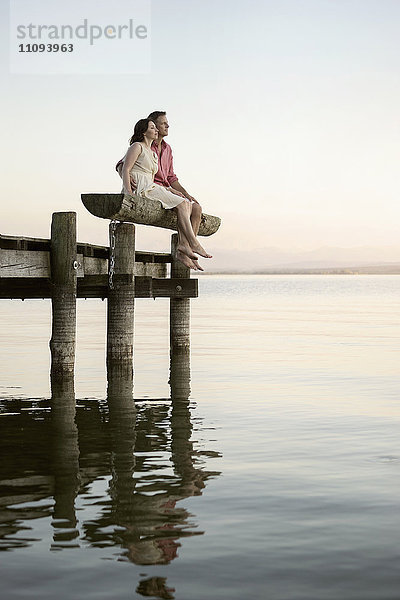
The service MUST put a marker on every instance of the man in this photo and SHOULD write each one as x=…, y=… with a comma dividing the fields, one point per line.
x=165, y=175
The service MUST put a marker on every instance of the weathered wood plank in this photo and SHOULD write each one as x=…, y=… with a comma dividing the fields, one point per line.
x=92, y=250
x=11, y=242
x=175, y=288
x=24, y=263
x=141, y=210
x=153, y=257
x=95, y=286
x=151, y=270
x=36, y=263
x=21, y=288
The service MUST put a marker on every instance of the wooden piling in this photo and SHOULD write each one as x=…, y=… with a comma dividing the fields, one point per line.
x=63, y=266
x=179, y=313
x=121, y=293
x=179, y=376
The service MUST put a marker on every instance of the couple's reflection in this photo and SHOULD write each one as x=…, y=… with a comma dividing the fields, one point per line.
x=144, y=489
x=144, y=453
x=146, y=493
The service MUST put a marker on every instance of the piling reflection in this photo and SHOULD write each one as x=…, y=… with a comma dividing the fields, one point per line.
x=65, y=462
x=122, y=428
x=25, y=482
x=179, y=375
x=141, y=514
x=129, y=467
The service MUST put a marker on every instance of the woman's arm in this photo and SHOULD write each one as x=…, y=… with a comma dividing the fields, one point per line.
x=130, y=159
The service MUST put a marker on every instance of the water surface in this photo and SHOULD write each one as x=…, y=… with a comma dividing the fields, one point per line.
x=276, y=476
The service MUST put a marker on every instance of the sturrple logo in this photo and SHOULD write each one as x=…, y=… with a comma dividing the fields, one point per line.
x=84, y=31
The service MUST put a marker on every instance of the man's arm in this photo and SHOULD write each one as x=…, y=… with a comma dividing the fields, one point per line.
x=119, y=168
x=179, y=188
x=173, y=180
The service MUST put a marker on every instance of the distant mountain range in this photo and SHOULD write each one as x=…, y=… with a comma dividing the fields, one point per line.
x=362, y=259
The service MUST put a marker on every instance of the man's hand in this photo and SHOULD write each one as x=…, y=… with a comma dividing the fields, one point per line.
x=178, y=189
x=171, y=189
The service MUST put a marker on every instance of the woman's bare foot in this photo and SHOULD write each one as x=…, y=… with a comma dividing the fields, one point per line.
x=186, y=250
x=192, y=264
x=200, y=250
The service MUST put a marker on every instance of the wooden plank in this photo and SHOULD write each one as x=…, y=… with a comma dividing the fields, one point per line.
x=175, y=288
x=24, y=263
x=151, y=269
x=21, y=288
x=92, y=250
x=153, y=257
x=99, y=266
x=9, y=242
x=135, y=209
x=36, y=263
x=95, y=286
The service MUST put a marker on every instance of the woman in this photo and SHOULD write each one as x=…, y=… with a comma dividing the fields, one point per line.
x=141, y=165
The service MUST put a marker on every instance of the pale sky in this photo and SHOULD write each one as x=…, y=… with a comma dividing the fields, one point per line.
x=284, y=121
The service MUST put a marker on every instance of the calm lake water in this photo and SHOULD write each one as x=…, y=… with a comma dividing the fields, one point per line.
x=277, y=478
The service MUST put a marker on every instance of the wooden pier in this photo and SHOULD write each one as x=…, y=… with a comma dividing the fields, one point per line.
x=63, y=269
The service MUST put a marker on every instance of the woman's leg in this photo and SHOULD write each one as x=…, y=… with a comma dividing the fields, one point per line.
x=188, y=243
x=185, y=254
x=183, y=245
x=184, y=210
x=188, y=262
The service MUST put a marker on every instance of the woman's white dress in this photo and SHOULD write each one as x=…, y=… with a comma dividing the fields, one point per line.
x=143, y=172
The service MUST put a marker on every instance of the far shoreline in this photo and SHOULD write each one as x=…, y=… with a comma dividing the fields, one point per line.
x=378, y=270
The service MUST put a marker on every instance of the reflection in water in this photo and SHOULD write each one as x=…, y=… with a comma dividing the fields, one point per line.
x=155, y=587
x=141, y=513
x=65, y=462
x=25, y=483
x=179, y=375
x=122, y=428
x=129, y=469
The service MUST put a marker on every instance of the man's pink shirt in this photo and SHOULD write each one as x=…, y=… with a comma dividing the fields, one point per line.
x=165, y=174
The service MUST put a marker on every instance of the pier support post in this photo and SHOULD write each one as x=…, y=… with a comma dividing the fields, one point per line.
x=179, y=312
x=121, y=294
x=63, y=295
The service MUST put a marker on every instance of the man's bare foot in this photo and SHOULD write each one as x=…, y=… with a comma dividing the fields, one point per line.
x=192, y=264
x=200, y=250
x=186, y=250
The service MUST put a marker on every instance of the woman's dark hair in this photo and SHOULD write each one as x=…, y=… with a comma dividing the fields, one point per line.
x=139, y=131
